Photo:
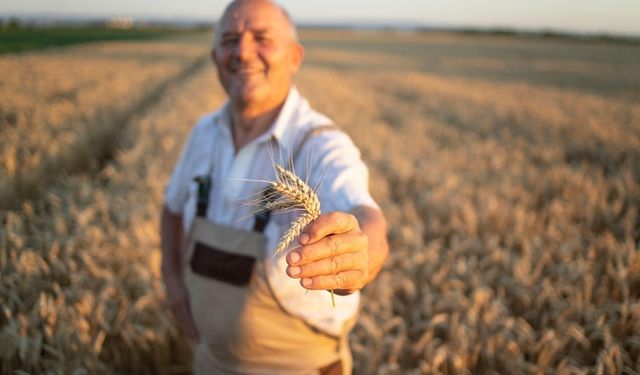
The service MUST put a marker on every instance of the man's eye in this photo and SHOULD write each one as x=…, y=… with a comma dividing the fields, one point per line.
x=230, y=41
x=263, y=39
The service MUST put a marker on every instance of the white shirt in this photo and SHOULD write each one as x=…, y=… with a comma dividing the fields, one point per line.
x=329, y=162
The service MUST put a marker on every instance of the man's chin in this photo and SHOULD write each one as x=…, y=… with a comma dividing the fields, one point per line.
x=255, y=96
x=244, y=97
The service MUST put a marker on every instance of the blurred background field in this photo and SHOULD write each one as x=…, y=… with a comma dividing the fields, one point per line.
x=508, y=167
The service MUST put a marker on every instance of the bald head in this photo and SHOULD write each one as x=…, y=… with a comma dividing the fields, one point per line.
x=237, y=5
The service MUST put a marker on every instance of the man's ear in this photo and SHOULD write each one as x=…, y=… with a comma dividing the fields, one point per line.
x=297, y=56
x=213, y=57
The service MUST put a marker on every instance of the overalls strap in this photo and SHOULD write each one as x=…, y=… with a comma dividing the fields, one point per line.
x=310, y=133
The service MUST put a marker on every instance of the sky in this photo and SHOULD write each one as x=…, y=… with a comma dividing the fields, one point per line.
x=602, y=16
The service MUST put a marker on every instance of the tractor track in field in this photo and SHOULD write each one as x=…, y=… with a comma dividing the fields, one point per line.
x=94, y=149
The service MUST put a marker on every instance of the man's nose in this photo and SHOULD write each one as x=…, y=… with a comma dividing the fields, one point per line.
x=246, y=47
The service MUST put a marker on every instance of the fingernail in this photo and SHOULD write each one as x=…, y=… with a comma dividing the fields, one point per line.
x=294, y=271
x=307, y=282
x=294, y=257
x=303, y=239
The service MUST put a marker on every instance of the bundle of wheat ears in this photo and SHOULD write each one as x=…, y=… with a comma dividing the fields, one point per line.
x=290, y=192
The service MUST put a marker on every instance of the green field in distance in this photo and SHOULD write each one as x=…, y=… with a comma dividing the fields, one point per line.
x=24, y=39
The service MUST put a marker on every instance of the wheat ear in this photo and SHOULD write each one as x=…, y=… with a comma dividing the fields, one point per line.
x=292, y=192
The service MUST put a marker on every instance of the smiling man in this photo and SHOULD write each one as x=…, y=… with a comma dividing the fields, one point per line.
x=247, y=310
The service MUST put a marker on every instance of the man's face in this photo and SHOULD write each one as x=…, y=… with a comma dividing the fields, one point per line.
x=256, y=55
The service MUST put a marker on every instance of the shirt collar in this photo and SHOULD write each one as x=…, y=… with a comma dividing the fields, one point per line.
x=281, y=129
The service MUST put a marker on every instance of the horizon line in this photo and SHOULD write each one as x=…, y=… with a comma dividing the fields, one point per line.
x=400, y=24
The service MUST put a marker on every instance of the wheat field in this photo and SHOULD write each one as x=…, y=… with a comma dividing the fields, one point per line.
x=508, y=169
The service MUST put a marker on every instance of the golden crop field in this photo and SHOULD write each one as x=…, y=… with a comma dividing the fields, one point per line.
x=508, y=169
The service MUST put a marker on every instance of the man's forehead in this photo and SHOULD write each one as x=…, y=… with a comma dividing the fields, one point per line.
x=253, y=15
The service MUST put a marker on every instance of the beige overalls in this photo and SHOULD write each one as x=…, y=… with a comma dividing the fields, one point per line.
x=242, y=327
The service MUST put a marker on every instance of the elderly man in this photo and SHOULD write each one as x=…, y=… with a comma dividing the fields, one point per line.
x=247, y=310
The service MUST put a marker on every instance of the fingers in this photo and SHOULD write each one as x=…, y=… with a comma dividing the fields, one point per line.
x=331, y=265
x=329, y=246
x=353, y=280
x=325, y=225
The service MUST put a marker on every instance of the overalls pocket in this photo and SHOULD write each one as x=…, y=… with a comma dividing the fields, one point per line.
x=210, y=262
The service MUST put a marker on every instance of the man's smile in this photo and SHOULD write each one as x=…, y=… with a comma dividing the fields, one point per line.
x=247, y=71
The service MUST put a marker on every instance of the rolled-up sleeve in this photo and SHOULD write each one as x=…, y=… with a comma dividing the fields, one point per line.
x=176, y=192
x=337, y=172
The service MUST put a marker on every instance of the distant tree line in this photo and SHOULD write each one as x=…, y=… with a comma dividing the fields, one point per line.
x=10, y=23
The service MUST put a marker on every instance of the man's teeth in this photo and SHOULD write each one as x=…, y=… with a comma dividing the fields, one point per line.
x=247, y=70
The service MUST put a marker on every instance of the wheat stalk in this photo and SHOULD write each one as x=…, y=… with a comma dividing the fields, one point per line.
x=290, y=192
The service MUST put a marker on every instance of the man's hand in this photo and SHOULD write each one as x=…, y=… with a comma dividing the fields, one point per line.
x=178, y=299
x=334, y=255
x=177, y=296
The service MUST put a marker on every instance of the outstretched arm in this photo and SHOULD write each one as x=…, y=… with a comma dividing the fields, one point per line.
x=341, y=251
